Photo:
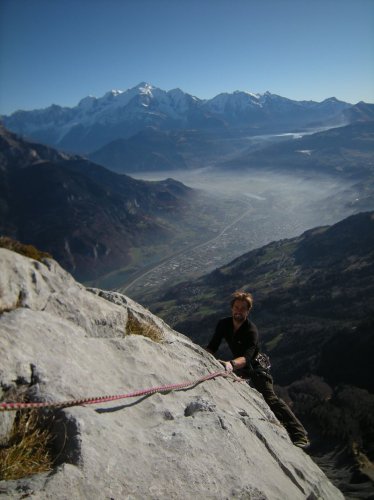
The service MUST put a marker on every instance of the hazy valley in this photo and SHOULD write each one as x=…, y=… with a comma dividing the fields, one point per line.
x=266, y=206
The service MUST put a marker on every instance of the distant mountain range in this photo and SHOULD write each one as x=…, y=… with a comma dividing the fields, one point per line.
x=119, y=125
x=90, y=219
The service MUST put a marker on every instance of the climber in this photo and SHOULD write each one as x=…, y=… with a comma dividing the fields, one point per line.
x=241, y=336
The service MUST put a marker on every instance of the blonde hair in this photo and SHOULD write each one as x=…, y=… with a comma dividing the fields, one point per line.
x=243, y=296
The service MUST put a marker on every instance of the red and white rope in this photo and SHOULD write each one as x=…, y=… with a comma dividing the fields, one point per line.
x=9, y=406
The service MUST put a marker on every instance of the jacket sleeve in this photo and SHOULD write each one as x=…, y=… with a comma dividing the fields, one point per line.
x=216, y=340
x=251, y=350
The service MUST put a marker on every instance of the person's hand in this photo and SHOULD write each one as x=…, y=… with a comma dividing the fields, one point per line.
x=228, y=366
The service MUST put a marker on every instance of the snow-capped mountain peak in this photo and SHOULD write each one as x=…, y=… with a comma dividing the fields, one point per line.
x=95, y=122
x=251, y=94
x=238, y=101
x=144, y=88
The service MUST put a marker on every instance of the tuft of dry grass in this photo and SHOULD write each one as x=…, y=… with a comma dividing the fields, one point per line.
x=26, y=250
x=27, y=450
x=136, y=326
x=14, y=307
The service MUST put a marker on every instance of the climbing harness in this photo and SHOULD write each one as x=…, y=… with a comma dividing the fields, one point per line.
x=263, y=360
x=103, y=399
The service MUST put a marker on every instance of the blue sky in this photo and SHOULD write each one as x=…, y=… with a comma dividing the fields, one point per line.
x=59, y=51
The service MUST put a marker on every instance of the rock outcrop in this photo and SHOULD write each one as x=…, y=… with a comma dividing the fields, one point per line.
x=216, y=440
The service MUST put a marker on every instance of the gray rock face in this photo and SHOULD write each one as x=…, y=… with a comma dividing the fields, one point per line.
x=216, y=440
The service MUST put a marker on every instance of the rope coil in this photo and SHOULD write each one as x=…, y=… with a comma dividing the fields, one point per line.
x=9, y=406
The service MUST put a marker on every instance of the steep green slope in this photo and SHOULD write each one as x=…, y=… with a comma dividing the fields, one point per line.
x=314, y=306
x=309, y=291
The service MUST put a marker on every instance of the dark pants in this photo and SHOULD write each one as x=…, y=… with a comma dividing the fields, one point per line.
x=263, y=382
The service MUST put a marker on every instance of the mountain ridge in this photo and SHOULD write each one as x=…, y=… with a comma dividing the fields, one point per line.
x=51, y=199
x=120, y=114
x=345, y=151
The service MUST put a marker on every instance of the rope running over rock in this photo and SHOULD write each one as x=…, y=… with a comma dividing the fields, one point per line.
x=103, y=399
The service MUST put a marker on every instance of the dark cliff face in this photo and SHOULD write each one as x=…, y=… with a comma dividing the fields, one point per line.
x=87, y=217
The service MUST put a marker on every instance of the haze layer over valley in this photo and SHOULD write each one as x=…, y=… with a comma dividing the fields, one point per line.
x=265, y=206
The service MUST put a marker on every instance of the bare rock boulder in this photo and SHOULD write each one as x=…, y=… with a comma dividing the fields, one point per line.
x=215, y=440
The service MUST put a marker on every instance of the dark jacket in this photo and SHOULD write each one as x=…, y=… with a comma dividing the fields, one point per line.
x=244, y=342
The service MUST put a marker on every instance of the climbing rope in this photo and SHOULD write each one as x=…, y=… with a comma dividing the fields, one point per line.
x=103, y=399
